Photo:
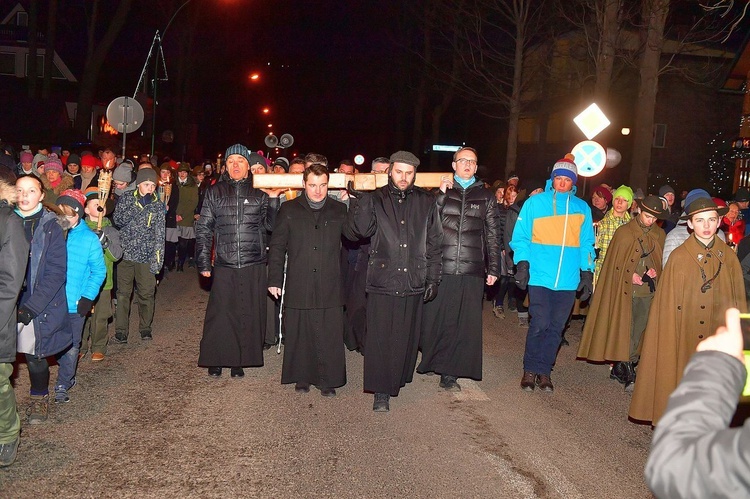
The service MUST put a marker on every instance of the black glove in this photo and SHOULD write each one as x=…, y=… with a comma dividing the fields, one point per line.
x=586, y=286
x=430, y=291
x=84, y=306
x=651, y=283
x=522, y=275
x=24, y=316
x=352, y=191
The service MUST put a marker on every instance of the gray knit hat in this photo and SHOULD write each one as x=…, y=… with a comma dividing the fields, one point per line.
x=238, y=149
x=146, y=175
x=124, y=172
x=404, y=157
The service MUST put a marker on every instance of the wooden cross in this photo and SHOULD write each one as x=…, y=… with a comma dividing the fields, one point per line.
x=362, y=181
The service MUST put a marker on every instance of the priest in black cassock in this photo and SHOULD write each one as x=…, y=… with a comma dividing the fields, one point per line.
x=403, y=224
x=308, y=236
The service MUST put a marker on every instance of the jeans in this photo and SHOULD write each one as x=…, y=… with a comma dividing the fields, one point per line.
x=68, y=361
x=549, y=311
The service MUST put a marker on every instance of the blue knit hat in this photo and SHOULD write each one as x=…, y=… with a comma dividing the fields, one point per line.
x=565, y=167
x=238, y=149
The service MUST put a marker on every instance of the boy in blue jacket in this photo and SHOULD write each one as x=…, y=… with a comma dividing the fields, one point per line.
x=553, y=249
x=86, y=273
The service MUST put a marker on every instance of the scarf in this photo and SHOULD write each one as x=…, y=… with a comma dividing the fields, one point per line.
x=315, y=205
x=464, y=183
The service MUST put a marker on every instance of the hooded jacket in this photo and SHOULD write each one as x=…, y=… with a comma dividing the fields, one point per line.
x=86, y=269
x=555, y=234
x=14, y=254
x=142, y=229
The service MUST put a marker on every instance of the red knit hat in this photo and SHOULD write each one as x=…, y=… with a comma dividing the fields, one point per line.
x=604, y=193
x=73, y=198
x=88, y=161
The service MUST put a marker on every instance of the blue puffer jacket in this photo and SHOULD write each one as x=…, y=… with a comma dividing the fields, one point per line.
x=86, y=269
x=44, y=294
x=555, y=234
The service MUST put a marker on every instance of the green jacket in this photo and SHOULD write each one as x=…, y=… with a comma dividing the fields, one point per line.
x=113, y=252
x=188, y=202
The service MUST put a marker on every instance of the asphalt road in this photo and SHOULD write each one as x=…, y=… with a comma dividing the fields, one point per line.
x=147, y=422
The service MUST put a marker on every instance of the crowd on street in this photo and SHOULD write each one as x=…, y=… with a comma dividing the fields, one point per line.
x=391, y=273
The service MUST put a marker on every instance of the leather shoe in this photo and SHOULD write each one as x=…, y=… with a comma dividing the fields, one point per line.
x=214, y=371
x=527, y=381
x=381, y=403
x=237, y=372
x=328, y=392
x=449, y=383
x=544, y=383
x=302, y=387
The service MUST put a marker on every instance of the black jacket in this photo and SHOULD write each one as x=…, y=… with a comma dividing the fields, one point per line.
x=235, y=216
x=470, y=235
x=312, y=241
x=14, y=254
x=406, y=239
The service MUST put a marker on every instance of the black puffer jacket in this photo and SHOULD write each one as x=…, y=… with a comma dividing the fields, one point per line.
x=406, y=238
x=235, y=216
x=470, y=235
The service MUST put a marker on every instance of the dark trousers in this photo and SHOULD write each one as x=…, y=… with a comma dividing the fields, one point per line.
x=38, y=374
x=549, y=311
x=145, y=282
x=507, y=287
x=185, y=250
x=170, y=250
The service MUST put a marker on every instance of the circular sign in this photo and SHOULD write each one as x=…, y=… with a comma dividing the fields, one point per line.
x=125, y=114
x=359, y=159
x=590, y=158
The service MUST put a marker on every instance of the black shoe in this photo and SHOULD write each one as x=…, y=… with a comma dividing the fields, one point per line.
x=191, y=263
x=328, y=392
x=449, y=383
x=381, y=403
x=302, y=387
x=237, y=372
x=619, y=372
x=146, y=335
x=268, y=346
x=119, y=338
x=214, y=372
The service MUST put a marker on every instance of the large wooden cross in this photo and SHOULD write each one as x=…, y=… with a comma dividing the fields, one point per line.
x=361, y=181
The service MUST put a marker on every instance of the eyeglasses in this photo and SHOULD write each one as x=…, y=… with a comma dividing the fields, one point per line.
x=468, y=161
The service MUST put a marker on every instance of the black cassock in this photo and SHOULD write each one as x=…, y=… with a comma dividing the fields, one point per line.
x=313, y=301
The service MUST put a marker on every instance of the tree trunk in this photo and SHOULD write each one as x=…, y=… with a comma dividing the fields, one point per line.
x=609, y=29
x=655, y=15
x=94, y=63
x=514, y=104
x=31, y=67
x=49, y=49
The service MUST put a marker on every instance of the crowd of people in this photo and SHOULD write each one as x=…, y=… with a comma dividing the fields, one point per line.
x=390, y=272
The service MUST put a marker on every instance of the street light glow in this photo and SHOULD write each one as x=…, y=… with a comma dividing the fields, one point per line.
x=266, y=110
x=270, y=125
x=255, y=76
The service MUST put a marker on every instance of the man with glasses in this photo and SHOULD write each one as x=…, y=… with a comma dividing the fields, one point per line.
x=452, y=325
x=702, y=279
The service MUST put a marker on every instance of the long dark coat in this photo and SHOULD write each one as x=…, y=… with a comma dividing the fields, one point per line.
x=606, y=334
x=311, y=241
x=14, y=253
x=681, y=316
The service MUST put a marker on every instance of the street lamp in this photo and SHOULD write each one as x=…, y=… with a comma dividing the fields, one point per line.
x=156, y=52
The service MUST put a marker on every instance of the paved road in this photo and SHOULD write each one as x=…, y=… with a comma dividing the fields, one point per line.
x=147, y=422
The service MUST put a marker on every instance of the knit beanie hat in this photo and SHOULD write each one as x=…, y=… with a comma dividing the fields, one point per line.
x=146, y=175
x=566, y=167
x=282, y=162
x=74, y=159
x=88, y=161
x=53, y=163
x=664, y=189
x=26, y=157
x=404, y=157
x=256, y=159
x=238, y=149
x=124, y=172
x=73, y=198
x=603, y=192
x=624, y=192
x=91, y=193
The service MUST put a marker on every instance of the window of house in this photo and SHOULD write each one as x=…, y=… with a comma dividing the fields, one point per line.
x=22, y=19
x=39, y=66
x=7, y=63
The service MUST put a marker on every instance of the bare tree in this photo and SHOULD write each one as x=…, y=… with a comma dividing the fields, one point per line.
x=96, y=53
x=49, y=48
x=31, y=66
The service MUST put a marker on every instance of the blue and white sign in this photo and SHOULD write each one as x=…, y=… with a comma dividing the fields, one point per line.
x=590, y=157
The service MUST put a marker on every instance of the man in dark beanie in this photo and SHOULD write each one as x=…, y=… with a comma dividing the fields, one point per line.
x=403, y=273
x=140, y=217
x=235, y=215
x=667, y=192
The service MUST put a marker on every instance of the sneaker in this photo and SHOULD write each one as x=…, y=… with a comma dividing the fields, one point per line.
x=527, y=381
x=523, y=321
x=97, y=357
x=61, y=395
x=381, y=403
x=8, y=452
x=119, y=338
x=449, y=383
x=498, y=311
x=146, y=335
x=544, y=383
x=38, y=409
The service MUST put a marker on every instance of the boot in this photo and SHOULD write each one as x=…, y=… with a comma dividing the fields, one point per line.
x=619, y=372
x=630, y=383
x=38, y=409
x=381, y=402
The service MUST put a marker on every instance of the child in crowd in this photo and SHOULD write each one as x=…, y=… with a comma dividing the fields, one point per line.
x=43, y=294
x=95, y=330
x=85, y=274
